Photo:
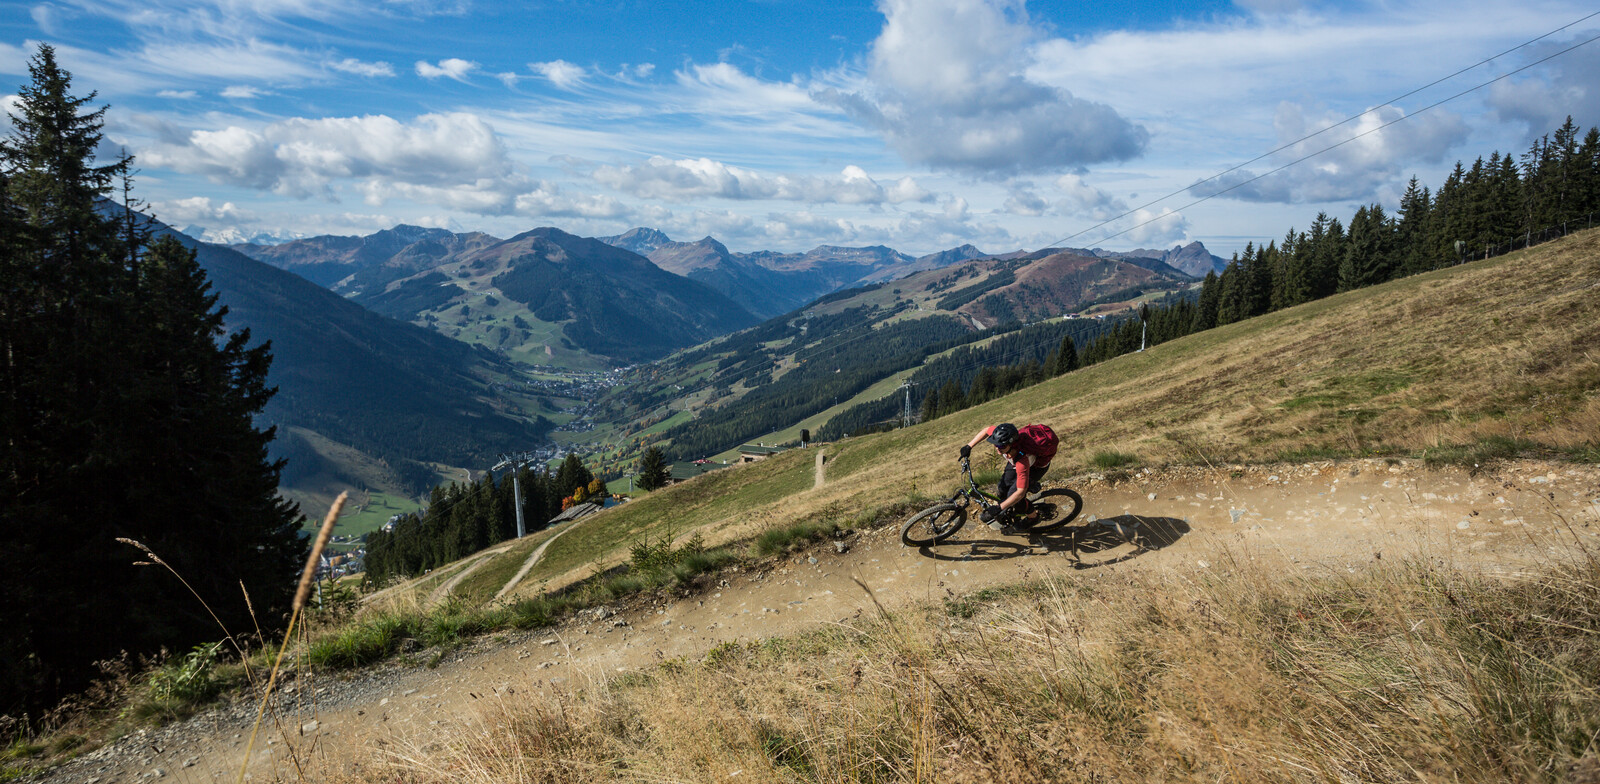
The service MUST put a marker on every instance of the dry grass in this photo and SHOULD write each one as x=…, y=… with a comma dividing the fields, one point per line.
x=1247, y=671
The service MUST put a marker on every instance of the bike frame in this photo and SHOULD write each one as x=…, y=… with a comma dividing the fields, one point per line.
x=972, y=493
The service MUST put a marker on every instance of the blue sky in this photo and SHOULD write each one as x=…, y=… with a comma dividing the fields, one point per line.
x=918, y=124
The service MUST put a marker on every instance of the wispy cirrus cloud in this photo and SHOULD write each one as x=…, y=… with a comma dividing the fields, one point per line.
x=351, y=65
x=560, y=73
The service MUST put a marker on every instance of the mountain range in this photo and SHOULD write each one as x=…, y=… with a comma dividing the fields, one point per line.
x=453, y=281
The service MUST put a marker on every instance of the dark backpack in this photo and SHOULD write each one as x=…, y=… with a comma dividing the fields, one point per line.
x=1043, y=438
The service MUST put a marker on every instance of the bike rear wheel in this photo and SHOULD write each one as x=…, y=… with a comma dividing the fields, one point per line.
x=933, y=525
x=1057, y=507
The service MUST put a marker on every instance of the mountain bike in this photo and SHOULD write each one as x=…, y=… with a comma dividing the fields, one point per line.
x=1056, y=506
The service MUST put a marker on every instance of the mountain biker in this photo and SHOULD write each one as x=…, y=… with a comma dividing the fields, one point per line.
x=1027, y=451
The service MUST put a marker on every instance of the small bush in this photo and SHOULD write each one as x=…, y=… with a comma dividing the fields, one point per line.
x=1108, y=459
x=776, y=541
x=371, y=640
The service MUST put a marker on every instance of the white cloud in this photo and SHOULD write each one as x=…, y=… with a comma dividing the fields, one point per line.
x=1155, y=228
x=1023, y=201
x=351, y=65
x=1371, y=159
x=179, y=95
x=241, y=91
x=455, y=157
x=200, y=209
x=1569, y=84
x=950, y=90
x=703, y=178
x=548, y=200
x=455, y=68
x=790, y=228
x=1081, y=198
x=47, y=17
x=560, y=73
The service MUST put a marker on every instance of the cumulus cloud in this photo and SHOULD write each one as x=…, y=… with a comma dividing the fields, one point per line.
x=1565, y=85
x=200, y=209
x=1022, y=200
x=1081, y=198
x=351, y=65
x=1373, y=159
x=453, y=157
x=799, y=228
x=702, y=178
x=1156, y=228
x=950, y=90
x=455, y=68
x=560, y=73
x=548, y=200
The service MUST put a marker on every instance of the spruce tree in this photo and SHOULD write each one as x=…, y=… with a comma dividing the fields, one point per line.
x=653, y=471
x=1066, y=357
x=128, y=413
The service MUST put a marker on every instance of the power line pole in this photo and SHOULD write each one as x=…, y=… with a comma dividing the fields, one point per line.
x=516, y=461
x=905, y=420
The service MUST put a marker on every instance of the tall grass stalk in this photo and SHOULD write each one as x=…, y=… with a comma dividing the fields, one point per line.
x=1249, y=670
x=306, y=578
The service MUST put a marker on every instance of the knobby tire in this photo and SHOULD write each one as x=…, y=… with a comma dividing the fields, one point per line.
x=933, y=525
x=1067, y=504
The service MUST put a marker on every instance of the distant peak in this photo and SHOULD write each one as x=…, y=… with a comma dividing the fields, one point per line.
x=640, y=240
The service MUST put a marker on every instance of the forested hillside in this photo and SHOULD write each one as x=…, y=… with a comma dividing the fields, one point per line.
x=403, y=394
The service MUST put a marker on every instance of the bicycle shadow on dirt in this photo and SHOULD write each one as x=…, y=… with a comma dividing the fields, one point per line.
x=1107, y=541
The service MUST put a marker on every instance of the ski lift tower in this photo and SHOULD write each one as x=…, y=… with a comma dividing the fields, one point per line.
x=515, y=461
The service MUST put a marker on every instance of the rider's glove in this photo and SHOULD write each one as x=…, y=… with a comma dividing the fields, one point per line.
x=966, y=451
x=989, y=514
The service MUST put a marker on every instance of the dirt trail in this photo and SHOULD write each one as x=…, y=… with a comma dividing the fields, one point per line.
x=533, y=560
x=443, y=591
x=1323, y=516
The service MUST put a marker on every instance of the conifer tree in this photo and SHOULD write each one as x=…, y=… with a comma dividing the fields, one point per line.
x=1066, y=357
x=951, y=398
x=1412, y=230
x=1367, y=256
x=1205, y=315
x=653, y=471
x=128, y=413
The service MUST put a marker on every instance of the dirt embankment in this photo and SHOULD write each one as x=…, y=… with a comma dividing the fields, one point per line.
x=1317, y=516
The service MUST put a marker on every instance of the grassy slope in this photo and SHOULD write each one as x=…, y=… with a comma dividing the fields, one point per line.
x=1505, y=348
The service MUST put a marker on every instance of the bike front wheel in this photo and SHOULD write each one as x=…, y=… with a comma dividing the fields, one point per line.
x=933, y=525
x=1057, y=507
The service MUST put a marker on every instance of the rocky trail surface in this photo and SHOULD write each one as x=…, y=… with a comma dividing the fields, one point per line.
x=1329, y=516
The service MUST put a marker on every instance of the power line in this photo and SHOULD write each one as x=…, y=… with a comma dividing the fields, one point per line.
x=1345, y=121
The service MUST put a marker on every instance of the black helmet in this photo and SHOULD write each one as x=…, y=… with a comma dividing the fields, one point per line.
x=1003, y=435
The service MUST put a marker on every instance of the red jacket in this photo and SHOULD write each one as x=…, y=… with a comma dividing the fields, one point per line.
x=1031, y=455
